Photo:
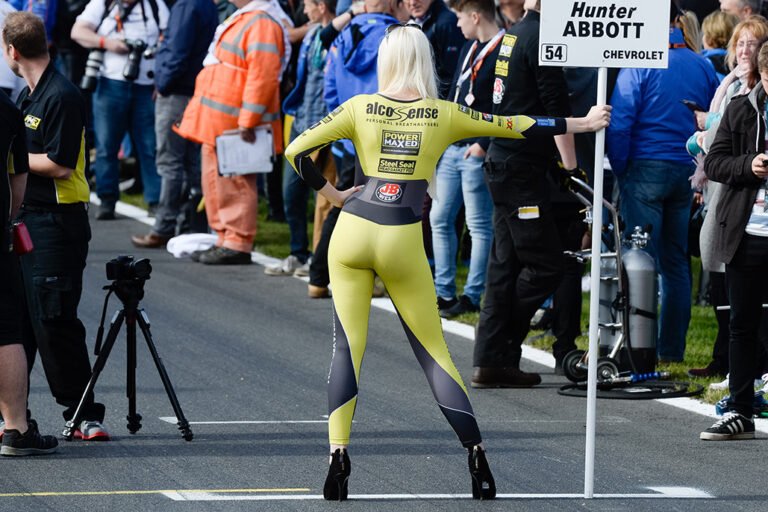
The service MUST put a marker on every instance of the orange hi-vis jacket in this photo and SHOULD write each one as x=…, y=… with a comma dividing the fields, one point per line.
x=243, y=87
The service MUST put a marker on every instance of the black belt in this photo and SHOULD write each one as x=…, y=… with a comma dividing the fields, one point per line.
x=55, y=208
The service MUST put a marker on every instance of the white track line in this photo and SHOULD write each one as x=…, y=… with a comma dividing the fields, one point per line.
x=172, y=420
x=659, y=493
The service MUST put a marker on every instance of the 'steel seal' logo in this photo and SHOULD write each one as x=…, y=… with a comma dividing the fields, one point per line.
x=395, y=166
x=389, y=192
x=400, y=143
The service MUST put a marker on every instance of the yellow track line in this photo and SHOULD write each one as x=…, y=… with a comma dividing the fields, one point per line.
x=118, y=493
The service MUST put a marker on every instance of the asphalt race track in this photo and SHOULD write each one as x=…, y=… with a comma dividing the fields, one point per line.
x=248, y=355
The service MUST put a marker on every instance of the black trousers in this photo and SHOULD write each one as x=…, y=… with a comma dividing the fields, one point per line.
x=53, y=281
x=566, y=309
x=345, y=178
x=525, y=265
x=747, y=283
x=718, y=296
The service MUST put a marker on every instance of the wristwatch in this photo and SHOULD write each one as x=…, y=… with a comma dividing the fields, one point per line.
x=351, y=13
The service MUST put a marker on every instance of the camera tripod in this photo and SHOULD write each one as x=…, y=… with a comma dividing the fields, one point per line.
x=130, y=292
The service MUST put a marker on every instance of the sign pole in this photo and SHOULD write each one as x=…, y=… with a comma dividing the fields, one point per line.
x=594, y=296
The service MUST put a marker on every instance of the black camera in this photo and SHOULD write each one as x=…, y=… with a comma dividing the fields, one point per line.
x=136, y=48
x=92, y=70
x=125, y=268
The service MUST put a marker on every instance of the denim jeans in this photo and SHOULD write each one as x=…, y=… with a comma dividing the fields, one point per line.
x=461, y=180
x=178, y=164
x=295, y=199
x=120, y=106
x=658, y=193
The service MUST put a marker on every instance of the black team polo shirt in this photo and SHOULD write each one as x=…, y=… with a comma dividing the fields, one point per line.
x=54, y=116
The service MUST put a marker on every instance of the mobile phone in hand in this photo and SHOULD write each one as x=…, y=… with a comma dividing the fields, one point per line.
x=693, y=106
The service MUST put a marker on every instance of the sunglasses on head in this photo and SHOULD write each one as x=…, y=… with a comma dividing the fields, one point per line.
x=392, y=27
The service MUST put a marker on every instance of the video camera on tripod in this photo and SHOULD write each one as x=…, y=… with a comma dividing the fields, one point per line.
x=127, y=268
x=128, y=276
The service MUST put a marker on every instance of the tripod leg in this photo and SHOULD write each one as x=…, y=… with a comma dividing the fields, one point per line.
x=98, y=366
x=182, y=422
x=134, y=419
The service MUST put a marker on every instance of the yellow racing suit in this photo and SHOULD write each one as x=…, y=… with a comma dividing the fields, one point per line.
x=398, y=144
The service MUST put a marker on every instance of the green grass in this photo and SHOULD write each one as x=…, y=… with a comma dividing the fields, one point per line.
x=272, y=239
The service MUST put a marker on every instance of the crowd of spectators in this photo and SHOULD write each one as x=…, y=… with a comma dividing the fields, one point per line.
x=162, y=80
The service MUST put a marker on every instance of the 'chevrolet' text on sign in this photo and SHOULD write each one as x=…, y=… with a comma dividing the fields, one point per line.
x=604, y=33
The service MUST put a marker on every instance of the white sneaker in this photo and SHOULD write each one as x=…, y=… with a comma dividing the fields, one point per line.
x=285, y=268
x=303, y=271
x=719, y=385
x=761, y=383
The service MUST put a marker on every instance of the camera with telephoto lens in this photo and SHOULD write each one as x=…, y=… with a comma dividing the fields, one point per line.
x=125, y=268
x=136, y=49
x=92, y=70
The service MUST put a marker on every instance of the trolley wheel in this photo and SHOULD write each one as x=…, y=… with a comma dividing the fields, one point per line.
x=606, y=369
x=571, y=367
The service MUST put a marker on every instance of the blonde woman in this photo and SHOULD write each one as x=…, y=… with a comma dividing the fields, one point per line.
x=399, y=134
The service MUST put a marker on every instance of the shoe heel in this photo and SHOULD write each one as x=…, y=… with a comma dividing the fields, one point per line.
x=483, y=485
x=336, y=486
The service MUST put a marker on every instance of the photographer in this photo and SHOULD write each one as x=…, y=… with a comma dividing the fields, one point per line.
x=122, y=35
x=55, y=210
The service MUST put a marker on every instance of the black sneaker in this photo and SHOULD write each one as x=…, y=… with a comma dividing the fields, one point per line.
x=708, y=371
x=446, y=303
x=195, y=256
x=16, y=444
x=463, y=305
x=106, y=210
x=491, y=377
x=732, y=426
x=224, y=256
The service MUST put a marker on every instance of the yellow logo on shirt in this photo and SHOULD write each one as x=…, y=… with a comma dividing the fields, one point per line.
x=502, y=68
x=507, y=44
x=32, y=122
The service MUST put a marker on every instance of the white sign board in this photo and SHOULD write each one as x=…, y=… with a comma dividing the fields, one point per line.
x=604, y=33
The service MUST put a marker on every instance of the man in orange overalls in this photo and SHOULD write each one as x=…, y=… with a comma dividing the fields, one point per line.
x=238, y=89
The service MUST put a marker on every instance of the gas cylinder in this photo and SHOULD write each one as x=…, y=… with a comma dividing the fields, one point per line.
x=643, y=296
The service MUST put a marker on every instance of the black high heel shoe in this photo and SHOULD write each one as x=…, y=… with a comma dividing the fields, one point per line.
x=335, y=487
x=483, y=486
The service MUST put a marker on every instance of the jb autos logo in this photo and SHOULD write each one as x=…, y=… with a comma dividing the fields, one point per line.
x=400, y=143
x=389, y=192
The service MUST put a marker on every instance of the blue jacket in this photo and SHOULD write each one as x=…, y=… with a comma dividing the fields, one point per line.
x=43, y=9
x=293, y=100
x=649, y=120
x=351, y=68
x=179, y=58
x=716, y=57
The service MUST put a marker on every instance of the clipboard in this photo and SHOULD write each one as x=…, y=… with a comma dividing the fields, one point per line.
x=237, y=157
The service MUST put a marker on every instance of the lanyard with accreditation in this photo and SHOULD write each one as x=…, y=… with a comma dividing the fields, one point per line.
x=471, y=71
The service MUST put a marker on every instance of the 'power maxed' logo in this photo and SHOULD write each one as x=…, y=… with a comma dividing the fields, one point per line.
x=400, y=143
x=389, y=192
x=394, y=166
x=400, y=113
